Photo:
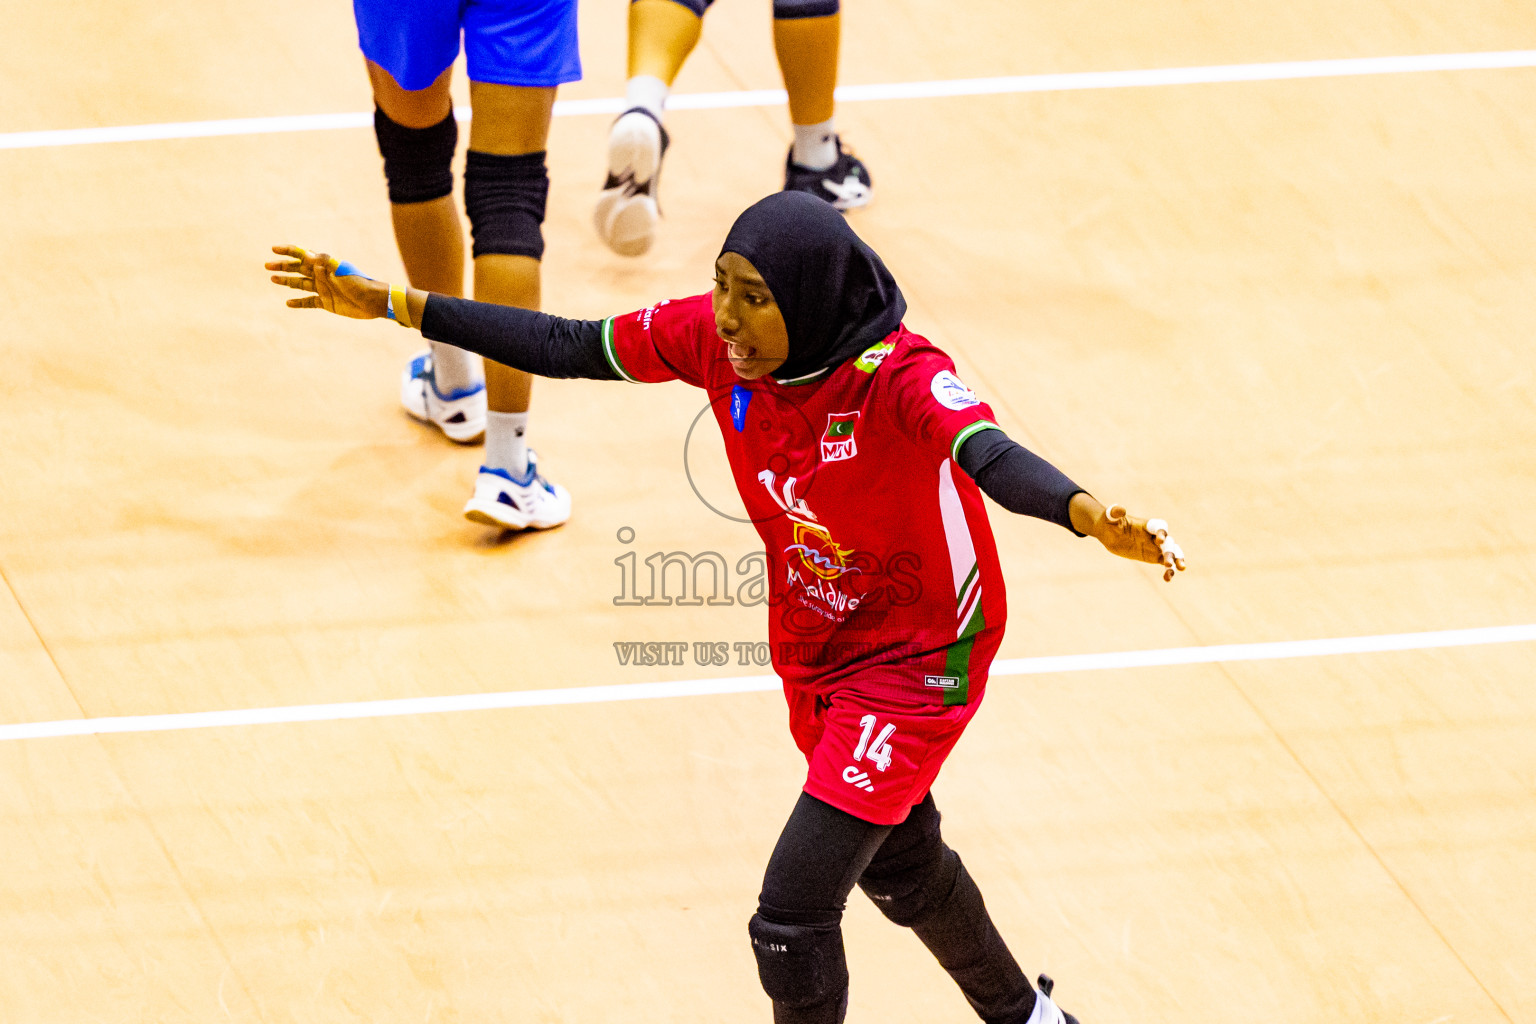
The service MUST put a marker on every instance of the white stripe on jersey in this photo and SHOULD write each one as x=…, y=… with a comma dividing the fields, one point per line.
x=957, y=537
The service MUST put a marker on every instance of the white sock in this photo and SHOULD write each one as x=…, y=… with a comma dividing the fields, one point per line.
x=504, y=444
x=454, y=369
x=646, y=91
x=816, y=145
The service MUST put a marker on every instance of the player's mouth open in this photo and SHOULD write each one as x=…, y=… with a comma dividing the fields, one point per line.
x=737, y=353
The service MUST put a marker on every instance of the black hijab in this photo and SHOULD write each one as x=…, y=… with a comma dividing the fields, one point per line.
x=836, y=296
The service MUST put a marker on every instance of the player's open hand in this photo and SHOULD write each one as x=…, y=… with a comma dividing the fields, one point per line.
x=1141, y=540
x=331, y=284
x=1145, y=540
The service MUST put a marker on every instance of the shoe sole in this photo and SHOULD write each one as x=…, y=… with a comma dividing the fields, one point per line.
x=455, y=432
x=626, y=224
x=635, y=148
x=491, y=514
x=457, y=438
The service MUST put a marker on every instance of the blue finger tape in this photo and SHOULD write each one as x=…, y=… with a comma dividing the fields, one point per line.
x=346, y=269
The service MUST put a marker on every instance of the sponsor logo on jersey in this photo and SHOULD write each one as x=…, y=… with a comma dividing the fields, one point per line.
x=873, y=356
x=814, y=561
x=838, y=443
x=858, y=779
x=740, y=399
x=949, y=392
x=819, y=552
x=942, y=682
x=649, y=312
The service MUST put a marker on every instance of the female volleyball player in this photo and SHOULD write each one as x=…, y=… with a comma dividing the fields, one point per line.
x=844, y=432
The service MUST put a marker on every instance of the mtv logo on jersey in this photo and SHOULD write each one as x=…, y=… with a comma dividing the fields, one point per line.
x=838, y=442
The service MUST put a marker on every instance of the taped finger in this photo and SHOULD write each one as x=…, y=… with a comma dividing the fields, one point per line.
x=1116, y=514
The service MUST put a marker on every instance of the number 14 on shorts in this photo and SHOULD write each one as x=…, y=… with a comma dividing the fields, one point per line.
x=879, y=751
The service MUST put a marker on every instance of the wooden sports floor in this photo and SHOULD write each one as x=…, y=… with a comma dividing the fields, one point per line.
x=1293, y=316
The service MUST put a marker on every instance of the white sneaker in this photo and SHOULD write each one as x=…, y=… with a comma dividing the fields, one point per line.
x=627, y=213
x=507, y=502
x=460, y=415
x=1046, y=1011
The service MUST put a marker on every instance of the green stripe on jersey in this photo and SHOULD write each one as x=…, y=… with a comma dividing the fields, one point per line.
x=957, y=659
x=967, y=434
x=613, y=356
x=965, y=586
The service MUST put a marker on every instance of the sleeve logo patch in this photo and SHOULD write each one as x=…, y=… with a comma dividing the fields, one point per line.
x=949, y=392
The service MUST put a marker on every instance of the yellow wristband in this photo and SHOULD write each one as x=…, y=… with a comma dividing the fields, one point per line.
x=400, y=306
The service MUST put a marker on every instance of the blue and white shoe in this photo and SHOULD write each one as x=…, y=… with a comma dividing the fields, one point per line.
x=507, y=502
x=460, y=415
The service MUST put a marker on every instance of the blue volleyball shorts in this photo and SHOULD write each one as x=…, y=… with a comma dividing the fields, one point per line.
x=506, y=42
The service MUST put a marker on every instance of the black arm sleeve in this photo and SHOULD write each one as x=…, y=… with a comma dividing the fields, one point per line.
x=544, y=345
x=1016, y=478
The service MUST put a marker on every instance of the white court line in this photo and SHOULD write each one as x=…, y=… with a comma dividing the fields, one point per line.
x=1269, y=72
x=755, y=684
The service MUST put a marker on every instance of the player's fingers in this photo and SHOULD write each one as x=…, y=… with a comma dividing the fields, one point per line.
x=288, y=267
x=306, y=302
x=1116, y=514
x=1174, y=553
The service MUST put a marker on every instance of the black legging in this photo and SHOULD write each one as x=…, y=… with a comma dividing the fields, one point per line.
x=913, y=878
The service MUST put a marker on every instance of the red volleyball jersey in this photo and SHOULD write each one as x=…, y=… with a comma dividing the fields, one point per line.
x=881, y=565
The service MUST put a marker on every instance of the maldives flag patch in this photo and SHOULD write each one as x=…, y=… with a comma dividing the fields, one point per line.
x=838, y=442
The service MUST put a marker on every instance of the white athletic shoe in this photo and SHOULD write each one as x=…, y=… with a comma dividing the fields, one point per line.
x=626, y=211
x=1046, y=1011
x=460, y=415
x=507, y=502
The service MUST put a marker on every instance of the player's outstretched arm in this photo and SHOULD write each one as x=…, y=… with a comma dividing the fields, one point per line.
x=1141, y=540
x=524, y=339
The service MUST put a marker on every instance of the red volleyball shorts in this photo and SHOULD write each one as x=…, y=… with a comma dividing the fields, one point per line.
x=874, y=756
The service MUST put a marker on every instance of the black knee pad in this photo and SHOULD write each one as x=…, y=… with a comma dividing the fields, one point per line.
x=800, y=965
x=504, y=197
x=417, y=161
x=785, y=10
x=696, y=6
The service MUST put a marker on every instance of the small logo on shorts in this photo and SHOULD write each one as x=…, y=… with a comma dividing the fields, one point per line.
x=942, y=682
x=854, y=777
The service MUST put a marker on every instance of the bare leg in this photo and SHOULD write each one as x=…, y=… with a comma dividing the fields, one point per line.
x=807, y=49
x=428, y=234
x=662, y=33
x=508, y=121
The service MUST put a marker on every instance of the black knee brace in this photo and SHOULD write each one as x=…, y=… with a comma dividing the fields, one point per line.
x=913, y=871
x=785, y=10
x=696, y=6
x=801, y=966
x=505, y=197
x=908, y=897
x=417, y=161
